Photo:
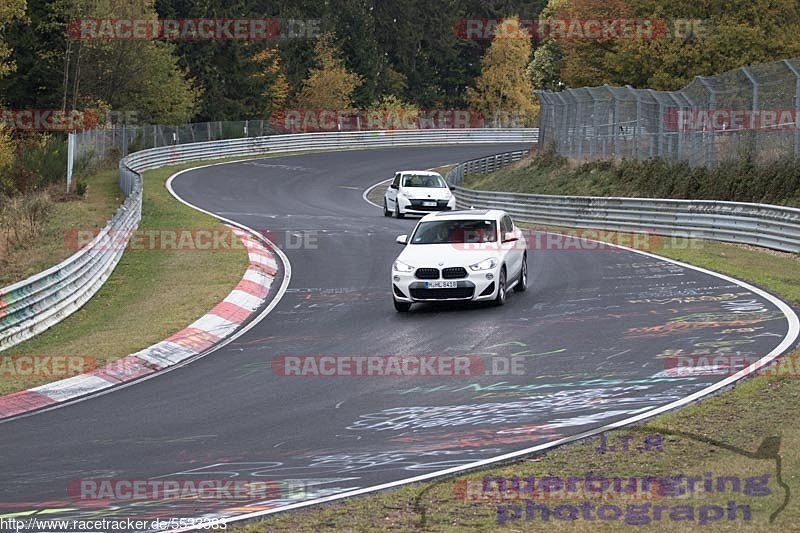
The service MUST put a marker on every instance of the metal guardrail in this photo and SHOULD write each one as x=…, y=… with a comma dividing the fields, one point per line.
x=41, y=301
x=33, y=305
x=483, y=165
x=764, y=225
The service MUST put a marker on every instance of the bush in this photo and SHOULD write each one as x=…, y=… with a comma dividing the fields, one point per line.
x=80, y=187
x=23, y=217
x=40, y=161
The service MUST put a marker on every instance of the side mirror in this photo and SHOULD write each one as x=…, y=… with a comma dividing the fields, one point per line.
x=402, y=239
x=510, y=236
x=394, y=186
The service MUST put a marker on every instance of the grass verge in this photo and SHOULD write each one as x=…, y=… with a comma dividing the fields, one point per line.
x=742, y=433
x=151, y=294
x=98, y=205
x=738, y=180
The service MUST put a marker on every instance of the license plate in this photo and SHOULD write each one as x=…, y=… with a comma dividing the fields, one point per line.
x=441, y=284
x=429, y=204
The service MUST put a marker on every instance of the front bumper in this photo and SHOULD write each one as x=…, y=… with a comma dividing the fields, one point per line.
x=417, y=207
x=477, y=286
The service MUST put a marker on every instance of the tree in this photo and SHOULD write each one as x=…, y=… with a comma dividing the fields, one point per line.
x=585, y=59
x=58, y=71
x=9, y=10
x=329, y=85
x=545, y=68
x=504, y=90
x=391, y=112
x=695, y=39
x=270, y=78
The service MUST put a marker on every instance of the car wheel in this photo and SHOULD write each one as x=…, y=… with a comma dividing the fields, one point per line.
x=401, y=307
x=500, y=299
x=522, y=282
x=397, y=212
x=386, y=211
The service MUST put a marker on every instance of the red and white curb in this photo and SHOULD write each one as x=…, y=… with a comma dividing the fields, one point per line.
x=218, y=324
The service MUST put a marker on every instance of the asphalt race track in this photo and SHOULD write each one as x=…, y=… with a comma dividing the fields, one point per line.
x=594, y=330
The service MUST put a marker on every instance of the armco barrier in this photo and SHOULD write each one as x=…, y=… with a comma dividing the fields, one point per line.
x=763, y=225
x=33, y=305
x=37, y=303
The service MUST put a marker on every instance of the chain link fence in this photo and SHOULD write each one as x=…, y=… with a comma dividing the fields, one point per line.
x=120, y=140
x=750, y=112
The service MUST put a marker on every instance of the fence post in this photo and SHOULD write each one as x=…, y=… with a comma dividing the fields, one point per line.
x=711, y=159
x=563, y=124
x=658, y=146
x=124, y=141
x=679, y=127
x=571, y=112
x=796, y=101
x=70, y=158
x=755, y=105
x=593, y=143
x=636, y=123
x=614, y=120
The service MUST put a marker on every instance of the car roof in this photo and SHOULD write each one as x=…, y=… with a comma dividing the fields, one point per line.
x=427, y=172
x=466, y=214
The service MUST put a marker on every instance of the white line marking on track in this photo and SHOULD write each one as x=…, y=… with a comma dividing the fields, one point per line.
x=287, y=276
x=646, y=412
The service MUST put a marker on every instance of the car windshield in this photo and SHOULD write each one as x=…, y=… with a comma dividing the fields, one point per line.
x=455, y=231
x=423, y=180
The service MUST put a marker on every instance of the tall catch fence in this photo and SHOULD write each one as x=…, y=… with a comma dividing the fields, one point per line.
x=750, y=112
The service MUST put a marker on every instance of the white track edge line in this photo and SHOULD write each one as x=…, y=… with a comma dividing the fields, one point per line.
x=287, y=268
x=788, y=341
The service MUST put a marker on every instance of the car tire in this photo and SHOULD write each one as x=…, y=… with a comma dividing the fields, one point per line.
x=397, y=212
x=500, y=299
x=386, y=211
x=522, y=282
x=401, y=307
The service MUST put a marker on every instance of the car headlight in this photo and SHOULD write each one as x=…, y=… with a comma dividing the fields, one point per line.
x=399, y=266
x=486, y=264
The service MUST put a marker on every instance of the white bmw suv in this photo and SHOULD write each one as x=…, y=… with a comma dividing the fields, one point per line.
x=471, y=255
x=417, y=192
